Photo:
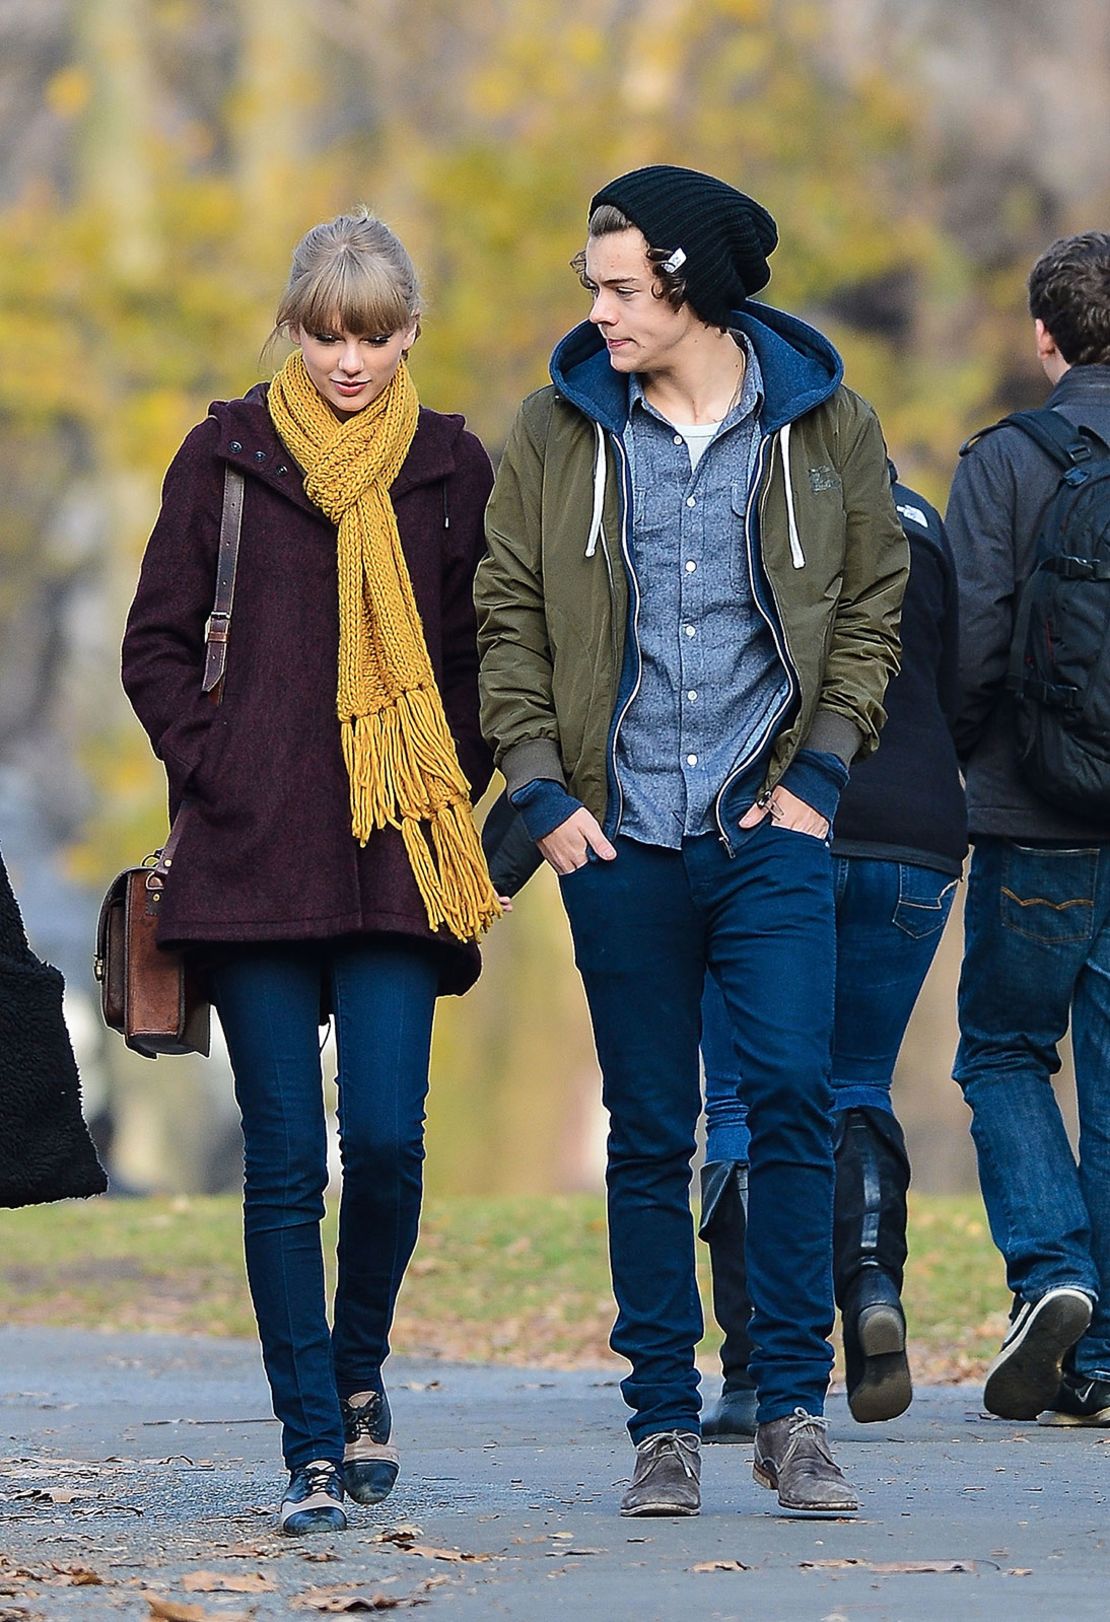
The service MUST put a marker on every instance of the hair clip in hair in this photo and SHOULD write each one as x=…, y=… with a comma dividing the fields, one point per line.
x=675, y=262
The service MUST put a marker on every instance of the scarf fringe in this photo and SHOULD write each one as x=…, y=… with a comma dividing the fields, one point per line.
x=396, y=762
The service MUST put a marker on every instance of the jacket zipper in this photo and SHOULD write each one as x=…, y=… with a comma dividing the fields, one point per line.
x=627, y=554
x=780, y=641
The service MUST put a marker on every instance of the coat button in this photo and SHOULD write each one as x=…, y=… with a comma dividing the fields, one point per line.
x=260, y=456
x=282, y=471
x=235, y=446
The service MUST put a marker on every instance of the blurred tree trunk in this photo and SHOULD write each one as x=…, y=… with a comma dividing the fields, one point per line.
x=272, y=135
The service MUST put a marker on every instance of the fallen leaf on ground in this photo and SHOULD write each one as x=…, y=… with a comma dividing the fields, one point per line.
x=109, y=1509
x=334, y=1602
x=172, y=1610
x=403, y=1532
x=227, y=1582
x=76, y=1577
x=402, y=1538
x=943, y=1567
x=720, y=1565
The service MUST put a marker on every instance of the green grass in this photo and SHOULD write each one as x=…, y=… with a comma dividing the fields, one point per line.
x=506, y=1279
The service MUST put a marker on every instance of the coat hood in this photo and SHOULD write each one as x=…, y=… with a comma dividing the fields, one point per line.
x=800, y=368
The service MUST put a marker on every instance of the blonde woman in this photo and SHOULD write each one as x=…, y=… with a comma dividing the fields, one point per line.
x=328, y=857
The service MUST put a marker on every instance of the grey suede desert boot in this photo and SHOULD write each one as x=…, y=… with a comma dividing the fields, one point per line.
x=792, y=1458
x=667, y=1478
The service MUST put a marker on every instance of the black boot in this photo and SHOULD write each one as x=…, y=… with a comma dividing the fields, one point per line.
x=724, y=1211
x=869, y=1257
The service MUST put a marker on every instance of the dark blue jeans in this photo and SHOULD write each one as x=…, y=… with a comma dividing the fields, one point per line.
x=889, y=920
x=1037, y=952
x=646, y=928
x=383, y=995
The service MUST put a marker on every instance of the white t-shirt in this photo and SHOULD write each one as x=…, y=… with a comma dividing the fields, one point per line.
x=697, y=436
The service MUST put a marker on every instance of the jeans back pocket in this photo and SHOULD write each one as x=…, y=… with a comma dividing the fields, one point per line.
x=925, y=899
x=1049, y=895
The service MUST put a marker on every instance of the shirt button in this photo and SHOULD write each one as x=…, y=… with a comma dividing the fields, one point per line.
x=691, y=760
x=689, y=629
x=690, y=567
x=691, y=501
x=691, y=695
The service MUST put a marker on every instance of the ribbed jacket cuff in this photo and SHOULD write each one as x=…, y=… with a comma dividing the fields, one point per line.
x=834, y=734
x=524, y=762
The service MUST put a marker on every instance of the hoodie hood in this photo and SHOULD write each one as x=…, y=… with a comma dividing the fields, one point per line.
x=800, y=368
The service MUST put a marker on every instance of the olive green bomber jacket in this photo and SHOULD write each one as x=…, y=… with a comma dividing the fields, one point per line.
x=553, y=591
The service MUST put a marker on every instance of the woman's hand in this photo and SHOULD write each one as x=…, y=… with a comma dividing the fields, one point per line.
x=787, y=811
x=566, y=848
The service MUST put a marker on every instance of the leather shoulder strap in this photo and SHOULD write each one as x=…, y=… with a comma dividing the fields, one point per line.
x=219, y=624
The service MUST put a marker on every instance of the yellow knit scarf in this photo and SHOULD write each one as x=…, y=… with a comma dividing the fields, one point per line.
x=400, y=755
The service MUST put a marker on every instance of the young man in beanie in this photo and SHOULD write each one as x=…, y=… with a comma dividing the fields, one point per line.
x=1037, y=923
x=688, y=617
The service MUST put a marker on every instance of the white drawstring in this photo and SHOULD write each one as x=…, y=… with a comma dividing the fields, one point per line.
x=599, y=492
x=797, y=556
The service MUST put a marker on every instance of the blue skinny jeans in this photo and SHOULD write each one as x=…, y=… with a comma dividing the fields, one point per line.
x=646, y=928
x=383, y=995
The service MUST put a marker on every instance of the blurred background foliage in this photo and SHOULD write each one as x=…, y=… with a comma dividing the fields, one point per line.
x=160, y=157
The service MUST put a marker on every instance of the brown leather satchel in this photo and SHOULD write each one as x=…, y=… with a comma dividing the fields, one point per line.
x=156, y=998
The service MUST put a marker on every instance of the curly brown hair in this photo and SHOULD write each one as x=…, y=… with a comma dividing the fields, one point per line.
x=1069, y=290
x=607, y=220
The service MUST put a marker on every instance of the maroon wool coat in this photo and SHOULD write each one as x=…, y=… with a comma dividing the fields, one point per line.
x=267, y=852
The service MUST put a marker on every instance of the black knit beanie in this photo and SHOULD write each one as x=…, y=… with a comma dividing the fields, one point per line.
x=724, y=235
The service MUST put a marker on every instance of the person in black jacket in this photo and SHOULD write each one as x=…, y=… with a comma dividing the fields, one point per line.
x=45, y=1149
x=1037, y=925
x=900, y=841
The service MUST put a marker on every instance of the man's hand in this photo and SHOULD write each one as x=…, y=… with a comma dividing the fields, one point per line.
x=565, y=848
x=786, y=811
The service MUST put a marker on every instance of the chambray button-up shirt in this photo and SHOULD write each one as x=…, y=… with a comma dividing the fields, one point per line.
x=711, y=681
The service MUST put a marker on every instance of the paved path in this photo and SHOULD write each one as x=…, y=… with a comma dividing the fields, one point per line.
x=150, y=1461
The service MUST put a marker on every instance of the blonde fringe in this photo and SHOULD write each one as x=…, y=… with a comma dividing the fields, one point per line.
x=400, y=756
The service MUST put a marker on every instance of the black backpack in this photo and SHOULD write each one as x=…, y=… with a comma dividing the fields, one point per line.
x=1060, y=655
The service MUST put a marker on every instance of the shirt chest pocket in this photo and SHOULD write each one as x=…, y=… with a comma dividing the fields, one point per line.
x=740, y=572
x=656, y=533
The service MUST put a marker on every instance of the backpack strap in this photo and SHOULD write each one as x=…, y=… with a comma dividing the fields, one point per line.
x=1052, y=432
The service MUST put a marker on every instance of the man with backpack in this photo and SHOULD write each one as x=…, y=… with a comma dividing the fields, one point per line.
x=1029, y=523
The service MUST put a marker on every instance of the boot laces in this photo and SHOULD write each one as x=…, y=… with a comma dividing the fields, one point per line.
x=685, y=1450
x=802, y=1422
x=811, y=1428
x=364, y=1419
x=319, y=1475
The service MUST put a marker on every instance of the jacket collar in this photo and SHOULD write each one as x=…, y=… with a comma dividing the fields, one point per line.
x=800, y=368
x=249, y=442
x=1083, y=385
